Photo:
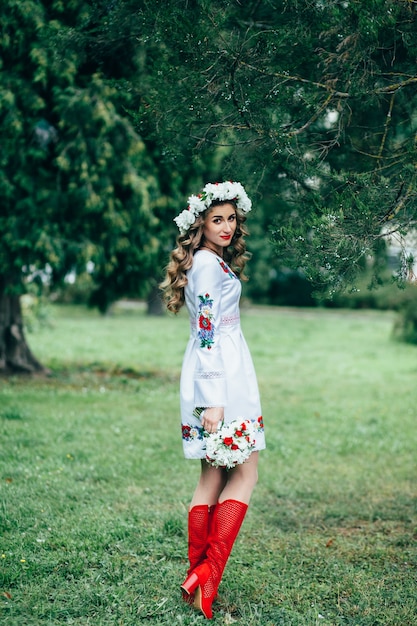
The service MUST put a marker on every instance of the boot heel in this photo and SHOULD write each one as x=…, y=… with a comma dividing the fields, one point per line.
x=190, y=584
x=197, y=578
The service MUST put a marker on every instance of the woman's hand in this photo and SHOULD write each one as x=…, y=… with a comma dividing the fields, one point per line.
x=212, y=418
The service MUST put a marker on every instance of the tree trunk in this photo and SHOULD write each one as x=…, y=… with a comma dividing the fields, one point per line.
x=154, y=301
x=15, y=354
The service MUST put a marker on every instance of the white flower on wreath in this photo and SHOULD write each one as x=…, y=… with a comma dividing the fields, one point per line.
x=212, y=191
x=196, y=204
x=184, y=220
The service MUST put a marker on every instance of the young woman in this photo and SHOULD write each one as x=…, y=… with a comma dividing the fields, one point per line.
x=218, y=381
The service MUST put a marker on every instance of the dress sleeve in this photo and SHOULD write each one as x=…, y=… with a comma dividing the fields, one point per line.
x=209, y=378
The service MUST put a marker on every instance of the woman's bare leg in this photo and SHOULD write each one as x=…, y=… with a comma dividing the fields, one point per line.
x=228, y=516
x=241, y=481
x=209, y=487
x=230, y=492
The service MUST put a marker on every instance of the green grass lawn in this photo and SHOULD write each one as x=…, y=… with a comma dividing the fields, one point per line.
x=94, y=489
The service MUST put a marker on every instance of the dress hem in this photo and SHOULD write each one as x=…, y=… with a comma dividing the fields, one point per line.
x=201, y=458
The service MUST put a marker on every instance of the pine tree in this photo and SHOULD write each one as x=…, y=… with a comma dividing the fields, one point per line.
x=76, y=182
x=318, y=100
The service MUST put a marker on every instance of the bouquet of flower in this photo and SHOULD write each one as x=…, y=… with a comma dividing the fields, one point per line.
x=231, y=445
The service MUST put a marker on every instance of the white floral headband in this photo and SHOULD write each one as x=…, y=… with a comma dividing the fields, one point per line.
x=212, y=191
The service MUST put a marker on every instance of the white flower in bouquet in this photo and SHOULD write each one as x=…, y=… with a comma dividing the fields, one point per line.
x=231, y=445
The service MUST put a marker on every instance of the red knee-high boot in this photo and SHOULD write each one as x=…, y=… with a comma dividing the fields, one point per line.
x=205, y=578
x=199, y=519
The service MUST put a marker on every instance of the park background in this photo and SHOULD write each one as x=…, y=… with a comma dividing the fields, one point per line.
x=112, y=113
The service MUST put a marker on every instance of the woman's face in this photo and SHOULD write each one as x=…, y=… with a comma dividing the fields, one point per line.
x=220, y=226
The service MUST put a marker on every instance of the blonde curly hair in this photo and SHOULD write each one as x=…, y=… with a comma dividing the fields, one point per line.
x=235, y=255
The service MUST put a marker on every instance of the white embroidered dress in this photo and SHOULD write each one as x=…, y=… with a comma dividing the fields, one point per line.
x=217, y=368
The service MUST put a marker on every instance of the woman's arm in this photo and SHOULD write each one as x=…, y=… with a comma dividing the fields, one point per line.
x=209, y=377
